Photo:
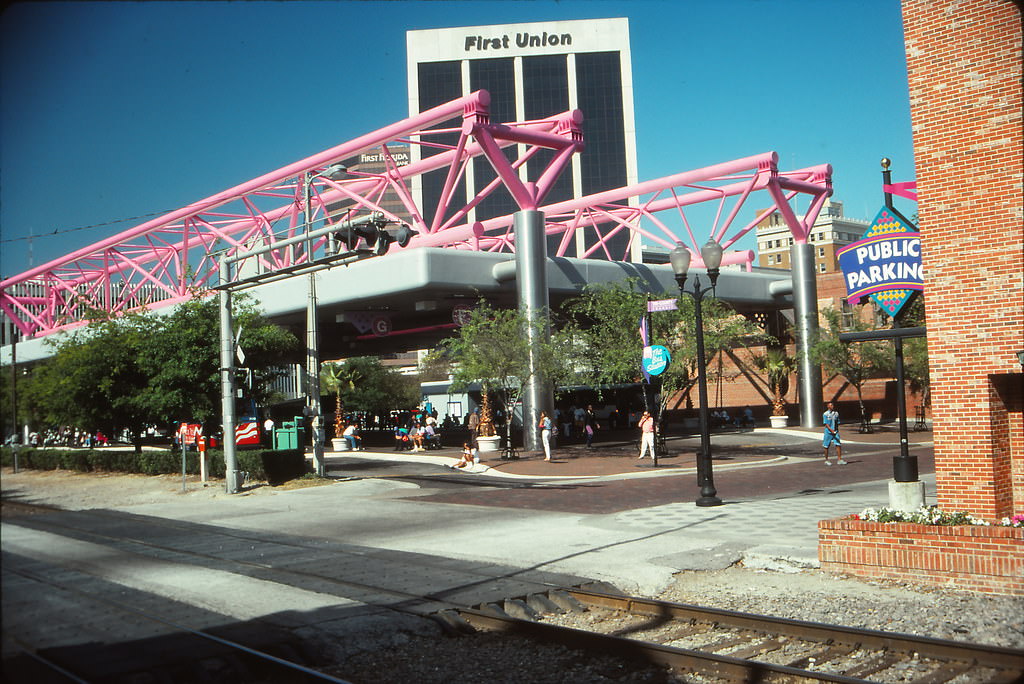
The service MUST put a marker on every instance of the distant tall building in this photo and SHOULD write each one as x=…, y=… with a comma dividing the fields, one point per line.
x=831, y=231
x=533, y=71
x=374, y=163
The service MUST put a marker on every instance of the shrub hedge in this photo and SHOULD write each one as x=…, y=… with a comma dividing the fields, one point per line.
x=275, y=466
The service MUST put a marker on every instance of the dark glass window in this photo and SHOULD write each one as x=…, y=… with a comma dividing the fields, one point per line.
x=546, y=92
x=497, y=77
x=439, y=82
x=603, y=160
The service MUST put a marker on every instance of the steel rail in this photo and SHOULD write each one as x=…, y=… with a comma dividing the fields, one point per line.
x=939, y=649
x=734, y=669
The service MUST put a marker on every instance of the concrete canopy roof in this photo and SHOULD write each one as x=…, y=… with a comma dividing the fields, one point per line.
x=416, y=291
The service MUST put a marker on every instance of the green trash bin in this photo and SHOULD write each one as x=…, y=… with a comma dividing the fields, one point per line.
x=286, y=436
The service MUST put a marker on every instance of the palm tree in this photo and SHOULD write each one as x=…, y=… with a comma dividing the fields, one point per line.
x=778, y=366
x=337, y=377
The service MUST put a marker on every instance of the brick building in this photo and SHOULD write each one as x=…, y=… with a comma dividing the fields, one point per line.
x=964, y=66
x=831, y=231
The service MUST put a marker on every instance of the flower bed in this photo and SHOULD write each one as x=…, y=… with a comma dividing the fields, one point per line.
x=974, y=557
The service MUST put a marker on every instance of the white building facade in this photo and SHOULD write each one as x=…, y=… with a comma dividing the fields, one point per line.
x=532, y=71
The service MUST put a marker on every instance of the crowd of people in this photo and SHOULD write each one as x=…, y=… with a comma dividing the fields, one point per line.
x=65, y=437
x=418, y=433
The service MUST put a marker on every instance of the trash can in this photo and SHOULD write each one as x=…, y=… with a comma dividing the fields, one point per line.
x=286, y=436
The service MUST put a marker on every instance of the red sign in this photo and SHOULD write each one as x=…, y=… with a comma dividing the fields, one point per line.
x=189, y=432
x=247, y=433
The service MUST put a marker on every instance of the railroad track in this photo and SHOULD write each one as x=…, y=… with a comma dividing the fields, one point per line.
x=730, y=646
x=716, y=644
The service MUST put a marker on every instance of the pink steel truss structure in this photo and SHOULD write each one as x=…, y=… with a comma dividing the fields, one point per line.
x=172, y=258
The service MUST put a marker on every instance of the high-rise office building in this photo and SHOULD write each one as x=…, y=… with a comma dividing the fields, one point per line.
x=533, y=71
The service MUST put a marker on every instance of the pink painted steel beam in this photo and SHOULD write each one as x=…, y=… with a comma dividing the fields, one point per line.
x=741, y=180
x=167, y=248
x=168, y=256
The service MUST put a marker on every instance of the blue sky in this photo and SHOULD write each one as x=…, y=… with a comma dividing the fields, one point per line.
x=117, y=110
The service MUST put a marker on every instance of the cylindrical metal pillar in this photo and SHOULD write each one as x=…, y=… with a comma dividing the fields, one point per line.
x=805, y=309
x=313, y=379
x=232, y=476
x=313, y=408
x=532, y=289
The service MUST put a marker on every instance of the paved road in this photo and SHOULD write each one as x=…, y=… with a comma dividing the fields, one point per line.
x=280, y=559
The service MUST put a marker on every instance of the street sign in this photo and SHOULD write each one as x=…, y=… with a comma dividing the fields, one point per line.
x=190, y=432
x=662, y=305
x=655, y=359
x=381, y=326
x=884, y=264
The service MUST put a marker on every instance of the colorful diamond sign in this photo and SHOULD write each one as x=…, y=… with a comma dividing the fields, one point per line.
x=884, y=264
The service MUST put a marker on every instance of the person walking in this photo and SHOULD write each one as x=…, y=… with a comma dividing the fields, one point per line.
x=831, y=422
x=646, y=425
x=590, y=425
x=545, y=434
x=473, y=423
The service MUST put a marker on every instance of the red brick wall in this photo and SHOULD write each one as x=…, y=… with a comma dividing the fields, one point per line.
x=973, y=558
x=735, y=383
x=964, y=68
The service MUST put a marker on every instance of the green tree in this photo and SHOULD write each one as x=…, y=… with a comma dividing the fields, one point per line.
x=857, y=362
x=181, y=359
x=915, y=351
x=608, y=317
x=493, y=349
x=94, y=380
x=777, y=365
x=364, y=384
x=139, y=370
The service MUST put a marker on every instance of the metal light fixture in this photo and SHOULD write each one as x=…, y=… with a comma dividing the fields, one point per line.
x=680, y=258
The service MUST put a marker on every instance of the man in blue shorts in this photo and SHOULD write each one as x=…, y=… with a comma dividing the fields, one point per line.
x=831, y=436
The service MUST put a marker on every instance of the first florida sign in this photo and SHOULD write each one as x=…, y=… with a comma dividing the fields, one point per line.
x=884, y=264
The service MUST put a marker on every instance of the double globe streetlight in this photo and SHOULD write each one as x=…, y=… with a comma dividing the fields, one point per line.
x=679, y=257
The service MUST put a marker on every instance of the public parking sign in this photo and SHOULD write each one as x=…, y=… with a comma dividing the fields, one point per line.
x=655, y=359
x=884, y=264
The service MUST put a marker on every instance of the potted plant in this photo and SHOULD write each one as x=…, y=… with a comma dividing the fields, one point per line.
x=778, y=366
x=487, y=437
x=335, y=377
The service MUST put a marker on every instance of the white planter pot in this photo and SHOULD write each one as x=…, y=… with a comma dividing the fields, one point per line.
x=488, y=443
x=339, y=444
x=779, y=421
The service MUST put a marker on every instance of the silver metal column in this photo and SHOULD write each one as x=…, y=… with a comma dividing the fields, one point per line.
x=313, y=346
x=805, y=309
x=532, y=289
x=232, y=476
x=313, y=379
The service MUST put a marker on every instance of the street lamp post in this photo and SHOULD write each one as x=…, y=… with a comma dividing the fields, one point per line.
x=334, y=172
x=679, y=257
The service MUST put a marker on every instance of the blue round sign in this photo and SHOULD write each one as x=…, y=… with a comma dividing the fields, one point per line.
x=655, y=359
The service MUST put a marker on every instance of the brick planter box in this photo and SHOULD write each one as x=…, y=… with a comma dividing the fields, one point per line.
x=969, y=557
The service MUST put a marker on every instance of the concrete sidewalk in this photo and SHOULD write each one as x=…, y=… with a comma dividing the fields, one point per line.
x=617, y=458
x=595, y=513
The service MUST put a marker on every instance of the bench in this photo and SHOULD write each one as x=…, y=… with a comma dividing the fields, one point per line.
x=919, y=421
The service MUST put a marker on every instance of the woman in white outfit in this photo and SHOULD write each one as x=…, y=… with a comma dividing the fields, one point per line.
x=646, y=425
x=545, y=434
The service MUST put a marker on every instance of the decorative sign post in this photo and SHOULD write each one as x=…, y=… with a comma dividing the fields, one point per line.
x=885, y=264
